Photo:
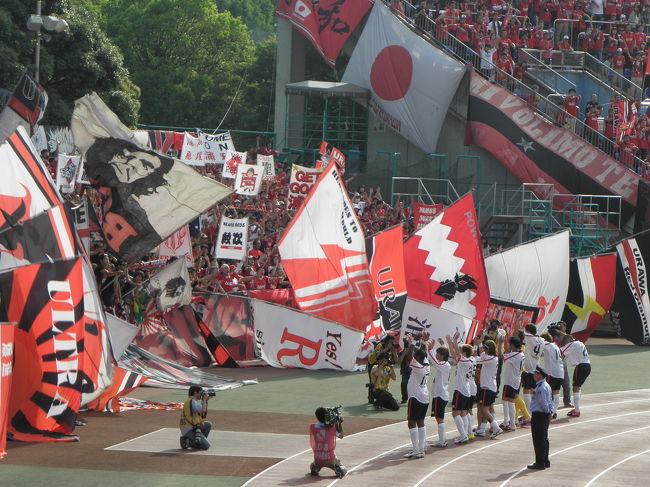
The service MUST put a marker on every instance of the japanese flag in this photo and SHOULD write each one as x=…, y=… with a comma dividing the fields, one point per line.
x=411, y=82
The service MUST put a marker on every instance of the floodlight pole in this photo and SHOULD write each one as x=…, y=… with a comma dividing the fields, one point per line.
x=37, y=61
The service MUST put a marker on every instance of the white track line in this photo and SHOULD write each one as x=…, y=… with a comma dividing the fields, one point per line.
x=132, y=439
x=614, y=466
x=406, y=444
x=305, y=451
x=576, y=446
x=501, y=442
x=386, y=452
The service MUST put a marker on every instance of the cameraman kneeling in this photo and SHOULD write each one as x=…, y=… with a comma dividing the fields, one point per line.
x=194, y=430
x=382, y=374
x=322, y=438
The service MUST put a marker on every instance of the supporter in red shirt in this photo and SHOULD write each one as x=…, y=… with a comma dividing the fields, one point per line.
x=571, y=102
x=565, y=45
x=519, y=70
x=596, y=42
x=627, y=152
x=629, y=38
x=505, y=68
x=618, y=62
x=591, y=121
x=561, y=116
x=638, y=71
x=546, y=46
x=463, y=30
x=612, y=41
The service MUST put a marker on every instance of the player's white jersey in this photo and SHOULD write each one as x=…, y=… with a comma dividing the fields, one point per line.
x=576, y=353
x=472, y=380
x=512, y=367
x=534, y=345
x=489, y=365
x=441, y=378
x=552, y=360
x=417, y=384
x=464, y=375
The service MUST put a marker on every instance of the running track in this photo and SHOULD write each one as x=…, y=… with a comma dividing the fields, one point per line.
x=607, y=446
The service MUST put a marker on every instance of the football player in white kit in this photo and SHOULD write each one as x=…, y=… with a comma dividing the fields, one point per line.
x=418, y=402
x=439, y=393
x=533, y=348
x=552, y=364
x=577, y=355
x=512, y=367
x=461, y=400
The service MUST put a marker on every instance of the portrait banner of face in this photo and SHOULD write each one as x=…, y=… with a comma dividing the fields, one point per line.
x=249, y=179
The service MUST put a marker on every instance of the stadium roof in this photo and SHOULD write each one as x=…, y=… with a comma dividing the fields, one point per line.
x=327, y=88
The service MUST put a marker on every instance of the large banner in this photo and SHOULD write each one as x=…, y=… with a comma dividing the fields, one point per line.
x=397, y=65
x=66, y=172
x=534, y=274
x=386, y=263
x=324, y=255
x=631, y=306
x=301, y=182
x=192, y=153
x=326, y=24
x=216, y=147
x=592, y=281
x=535, y=150
x=82, y=222
x=163, y=141
x=178, y=244
x=230, y=319
x=145, y=196
x=24, y=108
x=26, y=187
x=444, y=265
x=249, y=179
x=233, y=239
x=6, y=367
x=290, y=338
x=423, y=214
x=44, y=300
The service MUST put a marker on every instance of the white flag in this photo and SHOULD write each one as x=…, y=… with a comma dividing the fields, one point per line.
x=290, y=338
x=173, y=284
x=249, y=179
x=269, y=166
x=233, y=159
x=216, y=147
x=233, y=238
x=66, y=172
x=302, y=180
x=192, y=153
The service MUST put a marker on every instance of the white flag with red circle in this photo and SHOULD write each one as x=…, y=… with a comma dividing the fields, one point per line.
x=411, y=82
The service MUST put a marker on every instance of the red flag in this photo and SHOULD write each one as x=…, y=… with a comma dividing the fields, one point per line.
x=123, y=383
x=324, y=255
x=45, y=300
x=6, y=364
x=328, y=153
x=444, y=262
x=423, y=214
x=327, y=24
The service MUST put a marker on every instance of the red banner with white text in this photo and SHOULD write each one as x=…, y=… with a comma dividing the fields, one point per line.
x=423, y=214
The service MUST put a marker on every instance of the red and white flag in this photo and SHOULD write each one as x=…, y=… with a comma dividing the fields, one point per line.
x=6, y=365
x=327, y=24
x=302, y=180
x=423, y=214
x=233, y=159
x=324, y=255
x=330, y=153
x=178, y=244
x=249, y=179
x=397, y=65
x=66, y=172
x=444, y=262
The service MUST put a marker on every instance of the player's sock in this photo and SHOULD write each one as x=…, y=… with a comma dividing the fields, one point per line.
x=521, y=406
x=414, y=439
x=527, y=399
x=442, y=433
x=576, y=400
x=422, y=439
x=483, y=427
x=513, y=417
x=460, y=426
x=468, y=424
x=506, y=413
x=495, y=426
x=556, y=401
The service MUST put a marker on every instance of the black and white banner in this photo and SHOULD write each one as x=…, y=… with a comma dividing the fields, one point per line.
x=233, y=238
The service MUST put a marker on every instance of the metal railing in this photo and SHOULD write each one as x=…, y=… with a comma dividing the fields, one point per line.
x=558, y=83
x=544, y=107
x=428, y=191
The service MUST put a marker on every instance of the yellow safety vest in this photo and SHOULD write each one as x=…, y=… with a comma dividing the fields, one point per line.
x=187, y=418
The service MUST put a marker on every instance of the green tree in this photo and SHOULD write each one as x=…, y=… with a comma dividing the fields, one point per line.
x=188, y=59
x=258, y=15
x=73, y=63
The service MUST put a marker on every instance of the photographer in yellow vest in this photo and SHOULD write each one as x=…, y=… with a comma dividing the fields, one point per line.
x=194, y=428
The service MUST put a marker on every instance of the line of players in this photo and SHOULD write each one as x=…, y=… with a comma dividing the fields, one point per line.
x=477, y=367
